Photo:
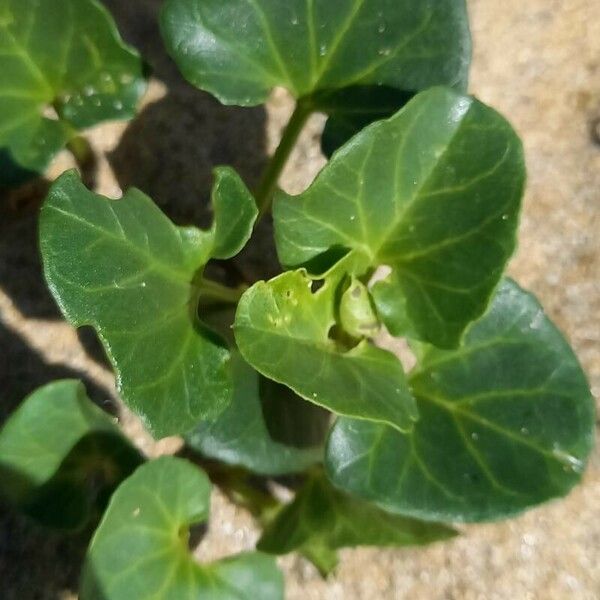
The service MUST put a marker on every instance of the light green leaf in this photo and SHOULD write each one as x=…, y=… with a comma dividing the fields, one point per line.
x=282, y=329
x=506, y=422
x=357, y=316
x=321, y=520
x=64, y=67
x=239, y=50
x=434, y=193
x=266, y=428
x=61, y=456
x=140, y=550
x=124, y=268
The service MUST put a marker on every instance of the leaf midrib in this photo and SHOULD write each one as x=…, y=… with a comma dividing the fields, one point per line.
x=168, y=270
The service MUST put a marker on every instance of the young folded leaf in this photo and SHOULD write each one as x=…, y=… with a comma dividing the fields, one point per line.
x=266, y=428
x=124, y=268
x=321, y=520
x=506, y=422
x=140, y=550
x=61, y=456
x=64, y=67
x=434, y=193
x=282, y=329
x=239, y=51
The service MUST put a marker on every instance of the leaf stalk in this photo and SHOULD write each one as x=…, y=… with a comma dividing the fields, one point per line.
x=268, y=183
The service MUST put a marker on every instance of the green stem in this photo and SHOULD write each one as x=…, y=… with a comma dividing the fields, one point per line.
x=81, y=150
x=270, y=177
x=216, y=291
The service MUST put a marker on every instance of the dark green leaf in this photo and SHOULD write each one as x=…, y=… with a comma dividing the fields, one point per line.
x=140, y=550
x=235, y=214
x=506, y=422
x=266, y=428
x=352, y=109
x=64, y=67
x=322, y=519
x=61, y=456
x=282, y=329
x=434, y=193
x=239, y=50
x=124, y=268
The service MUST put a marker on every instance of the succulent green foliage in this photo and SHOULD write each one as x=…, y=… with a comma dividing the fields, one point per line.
x=140, y=549
x=506, y=422
x=321, y=520
x=412, y=193
x=124, y=268
x=266, y=428
x=239, y=50
x=61, y=456
x=282, y=329
x=351, y=110
x=64, y=67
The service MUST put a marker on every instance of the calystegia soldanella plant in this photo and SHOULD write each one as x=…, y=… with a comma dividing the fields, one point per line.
x=407, y=230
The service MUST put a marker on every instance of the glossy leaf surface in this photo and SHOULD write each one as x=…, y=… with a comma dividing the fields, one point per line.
x=124, y=268
x=64, y=67
x=61, y=456
x=140, y=551
x=239, y=50
x=506, y=422
x=266, y=428
x=282, y=329
x=321, y=520
x=434, y=193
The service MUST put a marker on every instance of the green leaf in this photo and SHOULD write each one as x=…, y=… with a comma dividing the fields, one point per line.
x=235, y=213
x=282, y=329
x=239, y=50
x=140, y=550
x=266, y=428
x=433, y=193
x=357, y=315
x=506, y=422
x=124, y=268
x=352, y=109
x=64, y=67
x=322, y=519
x=61, y=456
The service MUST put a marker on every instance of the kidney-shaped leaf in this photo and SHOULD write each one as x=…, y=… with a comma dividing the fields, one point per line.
x=506, y=422
x=239, y=50
x=322, y=519
x=434, y=193
x=140, y=549
x=266, y=428
x=61, y=456
x=124, y=268
x=282, y=329
x=64, y=67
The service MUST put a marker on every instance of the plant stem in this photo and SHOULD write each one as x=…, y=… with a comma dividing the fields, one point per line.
x=217, y=291
x=80, y=149
x=271, y=174
x=84, y=158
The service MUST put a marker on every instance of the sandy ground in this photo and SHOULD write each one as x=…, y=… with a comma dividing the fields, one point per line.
x=537, y=62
